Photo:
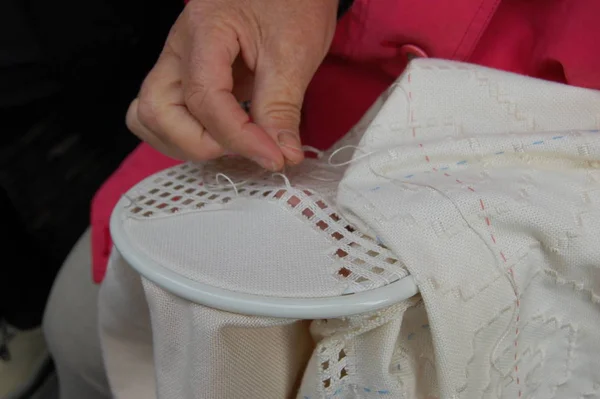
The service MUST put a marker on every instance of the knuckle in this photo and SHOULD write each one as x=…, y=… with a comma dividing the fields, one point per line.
x=130, y=117
x=195, y=97
x=283, y=111
x=146, y=112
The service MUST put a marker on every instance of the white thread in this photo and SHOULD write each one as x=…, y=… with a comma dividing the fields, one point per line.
x=364, y=155
x=320, y=178
x=234, y=185
x=285, y=179
x=316, y=151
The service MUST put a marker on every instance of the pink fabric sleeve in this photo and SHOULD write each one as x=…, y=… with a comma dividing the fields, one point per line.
x=141, y=163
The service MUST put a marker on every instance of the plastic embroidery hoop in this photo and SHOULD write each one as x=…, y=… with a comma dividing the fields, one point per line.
x=249, y=304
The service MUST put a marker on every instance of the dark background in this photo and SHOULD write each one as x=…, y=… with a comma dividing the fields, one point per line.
x=68, y=70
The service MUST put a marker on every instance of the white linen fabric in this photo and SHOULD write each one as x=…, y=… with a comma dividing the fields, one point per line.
x=482, y=184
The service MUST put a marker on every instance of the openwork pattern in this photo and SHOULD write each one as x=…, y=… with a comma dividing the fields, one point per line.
x=308, y=192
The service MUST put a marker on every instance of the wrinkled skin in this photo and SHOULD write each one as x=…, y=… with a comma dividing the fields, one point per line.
x=221, y=52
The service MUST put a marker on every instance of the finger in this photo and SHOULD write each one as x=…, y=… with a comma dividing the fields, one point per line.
x=277, y=103
x=208, y=85
x=147, y=135
x=161, y=111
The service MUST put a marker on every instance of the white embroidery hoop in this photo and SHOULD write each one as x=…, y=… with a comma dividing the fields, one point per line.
x=254, y=305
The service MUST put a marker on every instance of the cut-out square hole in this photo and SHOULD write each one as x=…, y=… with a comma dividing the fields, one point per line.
x=337, y=236
x=149, y=213
x=341, y=355
x=181, y=177
x=154, y=191
x=377, y=270
x=172, y=173
x=321, y=204
x=168, y=184
x=327, y=383
x=178, y=187
x=213, y=197
x=343, y=373
x=308, y=213
x=358, y=261
x=335, y=217
x=187, y=201
x=226, y=200
x=391, y=261
x=322, y=225
x=165, y=195
x=309, y=193
x=150, y=202
x=361, y=279
x=266, y=193
x=140, y=198
x=340, y=253
x=325, y=365
x=162, y=205
x=137, y=209
x=293, y=201
x=350, y=229
x=189, y=190
x=372, y=253
x=191, y=180
x=280, y=193
x=200, y=204
x=344, y=272
x=201, y=193
x=176, y=198
x=253, y=192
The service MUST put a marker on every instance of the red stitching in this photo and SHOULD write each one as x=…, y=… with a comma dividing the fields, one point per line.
x=518, y=308
x=493, y=237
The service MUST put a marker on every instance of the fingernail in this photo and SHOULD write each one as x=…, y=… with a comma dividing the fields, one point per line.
x=289, y=140
x=266, y=163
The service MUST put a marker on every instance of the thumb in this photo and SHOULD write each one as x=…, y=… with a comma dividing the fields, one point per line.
x=276, y=107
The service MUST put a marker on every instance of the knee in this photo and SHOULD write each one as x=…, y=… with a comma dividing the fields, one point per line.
x=70, y=321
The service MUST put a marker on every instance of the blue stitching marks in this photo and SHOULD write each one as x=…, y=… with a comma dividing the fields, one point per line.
x=367, y=390
x=464, y=162
x=380, y=392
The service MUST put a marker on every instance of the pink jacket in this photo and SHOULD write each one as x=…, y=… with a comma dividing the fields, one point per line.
x=557, y=40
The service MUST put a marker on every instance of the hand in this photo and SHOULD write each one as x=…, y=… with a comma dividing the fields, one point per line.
x=221, y=52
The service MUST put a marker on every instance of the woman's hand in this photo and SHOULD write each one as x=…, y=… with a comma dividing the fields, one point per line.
x=221, y=52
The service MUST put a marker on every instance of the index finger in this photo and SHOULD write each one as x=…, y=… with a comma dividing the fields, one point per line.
x=208, y=85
